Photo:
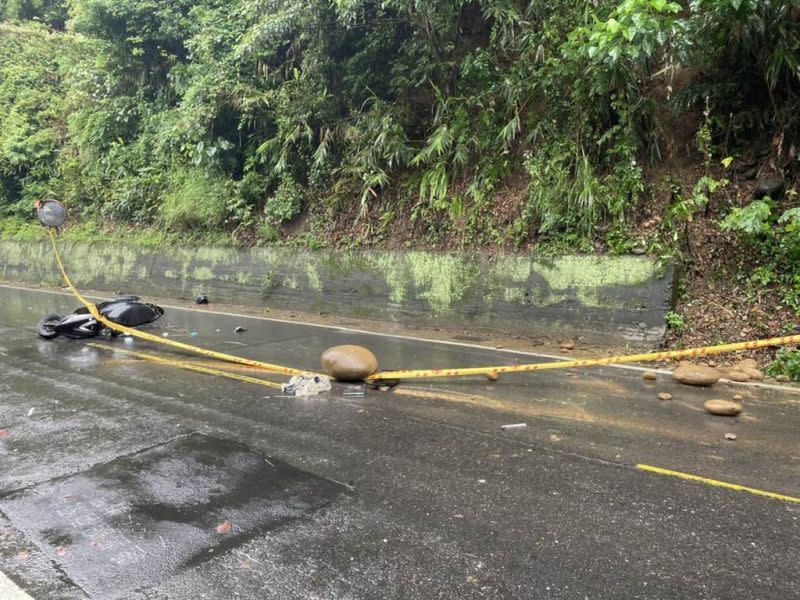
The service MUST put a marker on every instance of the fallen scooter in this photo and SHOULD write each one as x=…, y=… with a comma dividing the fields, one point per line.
x=125, y=310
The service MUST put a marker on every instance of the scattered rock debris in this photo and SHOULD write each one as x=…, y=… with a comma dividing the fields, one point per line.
x=754, y=374
x=664, y=396
x=738, y=376
x=724, y=408
x=493, y=376
x=730, y=436
x=746, y=363
x=649, y=376
x=745, y=370
x=698, y=375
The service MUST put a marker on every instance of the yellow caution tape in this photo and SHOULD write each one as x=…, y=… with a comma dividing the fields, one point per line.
x=160, y=340
x=592, y=362
x=189, y=366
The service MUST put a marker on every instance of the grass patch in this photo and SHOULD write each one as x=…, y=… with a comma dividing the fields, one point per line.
x=18, y=229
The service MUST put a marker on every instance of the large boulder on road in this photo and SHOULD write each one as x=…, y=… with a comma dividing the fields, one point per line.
x=349, y=363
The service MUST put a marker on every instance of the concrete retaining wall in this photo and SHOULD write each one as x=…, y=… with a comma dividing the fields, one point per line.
x=613, y=299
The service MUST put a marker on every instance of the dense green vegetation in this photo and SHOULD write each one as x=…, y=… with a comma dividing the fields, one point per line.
x=238, y=115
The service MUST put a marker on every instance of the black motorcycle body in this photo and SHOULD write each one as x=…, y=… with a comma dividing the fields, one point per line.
x=125, y=310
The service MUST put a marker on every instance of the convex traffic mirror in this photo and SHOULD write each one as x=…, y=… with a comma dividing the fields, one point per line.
x=51, y=213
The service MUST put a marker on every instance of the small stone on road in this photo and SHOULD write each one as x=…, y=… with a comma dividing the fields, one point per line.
x=724, y=408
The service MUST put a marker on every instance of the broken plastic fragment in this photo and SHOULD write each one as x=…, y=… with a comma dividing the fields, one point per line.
x=513, y=426
x=307, y=385
x=224, y=527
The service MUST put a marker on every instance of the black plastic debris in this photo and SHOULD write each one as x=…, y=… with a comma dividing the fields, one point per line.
x=239, y=329
x=201, y=299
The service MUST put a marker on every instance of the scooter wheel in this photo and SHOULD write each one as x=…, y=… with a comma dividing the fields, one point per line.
x=47, y=326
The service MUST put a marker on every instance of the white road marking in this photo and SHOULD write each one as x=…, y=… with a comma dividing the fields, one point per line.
x=10, y=591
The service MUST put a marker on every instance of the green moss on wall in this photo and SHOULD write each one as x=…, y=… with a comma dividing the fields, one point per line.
x=442, y=281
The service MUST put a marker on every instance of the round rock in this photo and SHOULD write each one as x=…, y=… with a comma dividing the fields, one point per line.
x=754, y=374
x=771, y=186
x=744, y=364
x=664, y=396
x=696, y=375
x=649, y=376
x=739, y=376
x=349, y=363
x=724, y=408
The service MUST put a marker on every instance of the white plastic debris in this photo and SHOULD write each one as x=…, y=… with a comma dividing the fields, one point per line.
x=307, y=385
x=513, y=426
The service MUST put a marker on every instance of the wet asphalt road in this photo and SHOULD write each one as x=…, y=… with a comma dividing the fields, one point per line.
x=411, y=493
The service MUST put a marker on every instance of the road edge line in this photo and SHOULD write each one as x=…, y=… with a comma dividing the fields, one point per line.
x=717, y=483
x=10, y=590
